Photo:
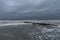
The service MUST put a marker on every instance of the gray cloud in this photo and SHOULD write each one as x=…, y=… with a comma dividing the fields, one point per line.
x=29, y=5
x=22, y=5
x=34, y=8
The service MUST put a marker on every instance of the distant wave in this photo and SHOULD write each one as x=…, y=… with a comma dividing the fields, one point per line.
x=13, y=24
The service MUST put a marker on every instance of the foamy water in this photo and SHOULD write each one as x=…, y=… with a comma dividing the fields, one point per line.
x=14, y=24
x=37, y=32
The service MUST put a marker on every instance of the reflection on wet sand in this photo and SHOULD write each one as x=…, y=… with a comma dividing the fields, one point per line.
x=29, y=32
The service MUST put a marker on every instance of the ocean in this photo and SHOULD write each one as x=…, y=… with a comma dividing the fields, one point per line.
x=18, y=30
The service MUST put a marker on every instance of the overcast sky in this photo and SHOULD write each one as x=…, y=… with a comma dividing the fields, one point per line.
x=26, y=6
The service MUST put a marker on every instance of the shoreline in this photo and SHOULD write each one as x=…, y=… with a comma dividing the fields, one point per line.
x=14, y=24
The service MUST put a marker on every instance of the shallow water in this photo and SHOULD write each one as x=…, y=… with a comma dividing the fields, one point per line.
x=29, y=32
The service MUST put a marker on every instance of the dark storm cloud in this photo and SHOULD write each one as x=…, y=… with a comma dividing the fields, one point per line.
x=22, y=5
x=35, y=8
x=27, y=5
